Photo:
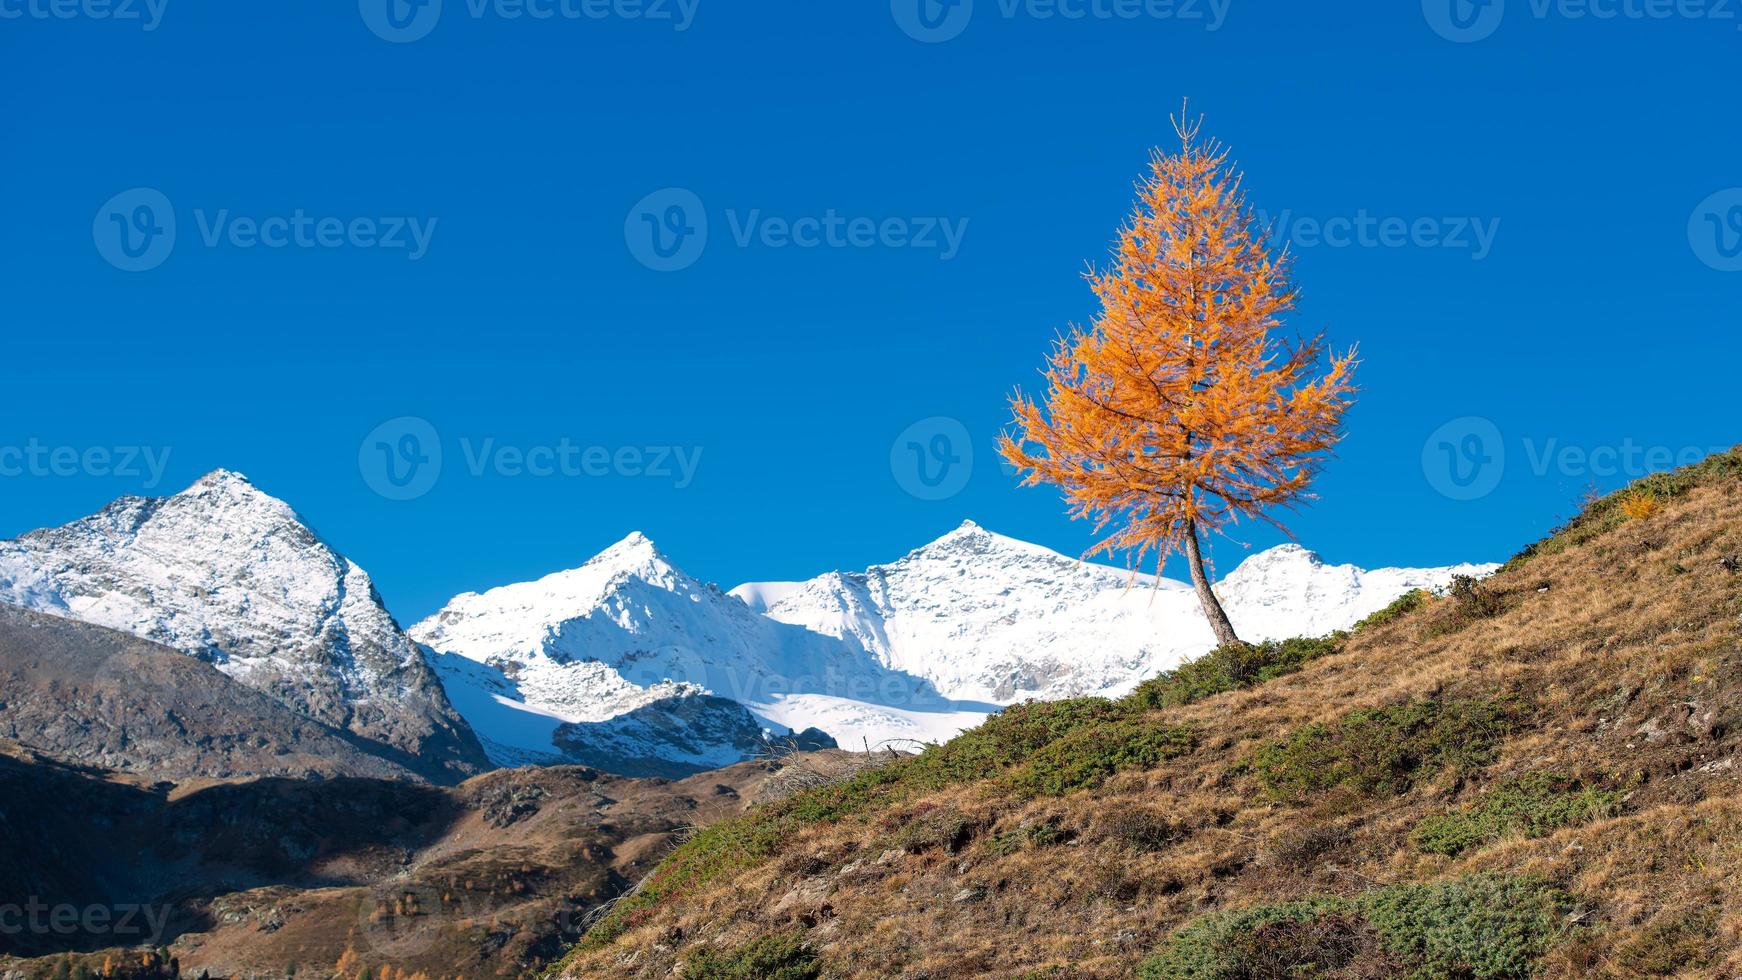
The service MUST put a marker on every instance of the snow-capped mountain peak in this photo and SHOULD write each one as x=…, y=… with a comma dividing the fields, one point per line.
x=228, y=573
x=991, y=618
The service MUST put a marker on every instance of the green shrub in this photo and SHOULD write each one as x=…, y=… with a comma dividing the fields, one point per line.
x=1086, y=757
x=1304, y=938
x=1482, y=926
x=1485, y=927
x=1400, y=607
x=1009, y=738
x=1381, y=751
x=1533, y=805
x=783, y=956
x=1035, y=834
x=1471, y=601
x=938, y=827
x=1229, y=668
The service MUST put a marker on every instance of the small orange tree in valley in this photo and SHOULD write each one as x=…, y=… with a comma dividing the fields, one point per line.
x=1178, y=411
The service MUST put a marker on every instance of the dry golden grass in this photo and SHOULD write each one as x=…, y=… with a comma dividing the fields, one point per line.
x=1621, y=653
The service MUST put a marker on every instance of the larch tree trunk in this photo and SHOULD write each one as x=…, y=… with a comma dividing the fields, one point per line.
x=1225, y=635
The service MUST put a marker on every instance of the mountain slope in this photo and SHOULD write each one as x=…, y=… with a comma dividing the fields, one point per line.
x=92, y=696
x=283, y=877
x=229, y=574
x=1534, y=776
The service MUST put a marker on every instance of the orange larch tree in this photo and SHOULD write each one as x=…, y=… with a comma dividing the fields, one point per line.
x=1178, y=412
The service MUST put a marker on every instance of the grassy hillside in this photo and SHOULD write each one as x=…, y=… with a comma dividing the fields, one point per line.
x=1532, y=775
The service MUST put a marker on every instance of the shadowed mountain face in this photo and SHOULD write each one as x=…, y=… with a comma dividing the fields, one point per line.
x=230, y=575
x=87, y=695
x=491, y=878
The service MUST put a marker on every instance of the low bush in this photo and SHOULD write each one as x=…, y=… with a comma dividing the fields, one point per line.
x=1137, y=826
x=1032, y=834
x=944, y=827
x=1485, y=927
x=1009, y=738
x=1471, y=601
x=782, y=956
x=1086, y=757
x=1381, y=751
x=1533, y=805
x=1229, y=668
x=1402, y=606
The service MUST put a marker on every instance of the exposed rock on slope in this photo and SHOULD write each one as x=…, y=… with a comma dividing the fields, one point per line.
x=93, y=696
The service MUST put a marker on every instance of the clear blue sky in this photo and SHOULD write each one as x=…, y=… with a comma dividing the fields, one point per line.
x=1594, y=316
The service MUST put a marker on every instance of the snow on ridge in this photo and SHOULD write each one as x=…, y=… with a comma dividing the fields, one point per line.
x=626, y=653
x=228, y=573
x=962, y=625
x=986, y=617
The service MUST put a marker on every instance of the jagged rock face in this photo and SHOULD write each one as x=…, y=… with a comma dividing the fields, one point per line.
x=229, y=574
